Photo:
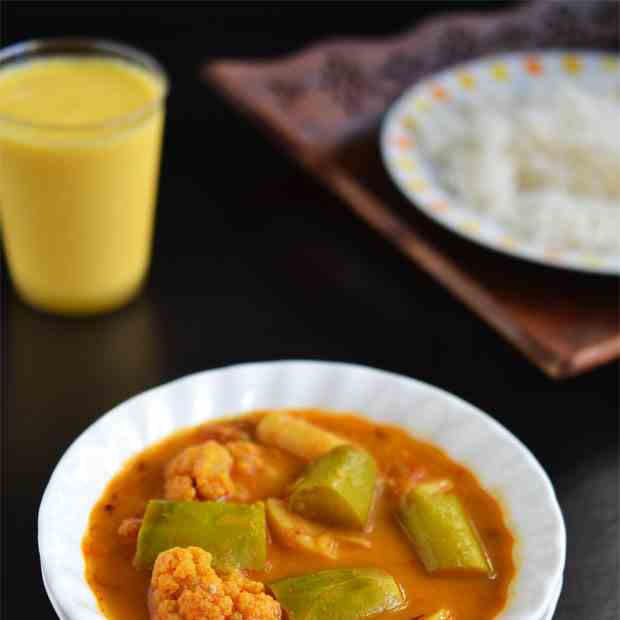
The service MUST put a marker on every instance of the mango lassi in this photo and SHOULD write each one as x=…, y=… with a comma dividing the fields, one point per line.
x=80, y=141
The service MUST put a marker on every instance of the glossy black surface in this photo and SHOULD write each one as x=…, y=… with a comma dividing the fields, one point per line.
x=255, y=261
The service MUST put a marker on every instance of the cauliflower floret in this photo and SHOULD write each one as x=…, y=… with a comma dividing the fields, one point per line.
x=200, y=472
x=248, y=456
x=211, y=471
x=184, y=586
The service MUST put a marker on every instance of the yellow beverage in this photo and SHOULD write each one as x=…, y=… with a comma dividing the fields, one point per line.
x=80, y=141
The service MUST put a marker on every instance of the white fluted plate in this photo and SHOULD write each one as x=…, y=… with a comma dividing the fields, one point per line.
x=554, y=604
x=504, y=466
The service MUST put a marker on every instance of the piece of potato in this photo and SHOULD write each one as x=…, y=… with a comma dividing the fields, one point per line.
x=296, y=436
x=338, y=488
x=339, y=594
x=295, y=532
x=235, y=534
x=440, y=530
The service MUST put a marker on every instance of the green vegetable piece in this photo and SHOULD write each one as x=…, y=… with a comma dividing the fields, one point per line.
x=339, y=594
x=338, y=488
x=440, y=530
x=235, y=534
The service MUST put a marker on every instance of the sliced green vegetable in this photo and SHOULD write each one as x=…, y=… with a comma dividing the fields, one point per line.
x=337, y=488
x=339, y=594
x=235, y=534
x=440, y=530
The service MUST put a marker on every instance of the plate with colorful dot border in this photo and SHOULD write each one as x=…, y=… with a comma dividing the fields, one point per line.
x=497, y=76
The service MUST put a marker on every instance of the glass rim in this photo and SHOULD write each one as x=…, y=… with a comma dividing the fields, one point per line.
x=82, y=45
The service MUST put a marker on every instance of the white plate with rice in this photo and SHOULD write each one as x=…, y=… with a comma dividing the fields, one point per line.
x=518, y=152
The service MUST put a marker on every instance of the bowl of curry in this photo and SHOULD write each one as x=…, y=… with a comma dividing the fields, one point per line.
x=299, y=491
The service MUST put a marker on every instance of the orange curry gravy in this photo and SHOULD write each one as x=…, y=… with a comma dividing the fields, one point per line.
x=122, y=591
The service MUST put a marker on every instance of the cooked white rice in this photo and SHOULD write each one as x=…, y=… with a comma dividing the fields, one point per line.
x=545, y=165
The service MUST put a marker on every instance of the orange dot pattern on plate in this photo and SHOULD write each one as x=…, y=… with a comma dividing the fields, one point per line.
x=403, y=142
x=421, y=104
x=409, y=122
x=572, y=64
x=533, y=66
x=417, y=185
x=405, y=164
x=467, y=81
x=471, y=227
x=508, y=242
x=552, y=253
x=499, y=72
x=593, y=261
x=439, y=206
x=440, y=93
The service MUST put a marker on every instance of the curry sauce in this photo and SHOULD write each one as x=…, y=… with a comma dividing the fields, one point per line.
x=122, y=590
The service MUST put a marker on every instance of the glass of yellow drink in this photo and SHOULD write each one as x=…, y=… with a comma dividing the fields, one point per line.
x=81, y=125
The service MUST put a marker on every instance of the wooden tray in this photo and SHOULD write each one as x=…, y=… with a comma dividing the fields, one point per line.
x=325, y=104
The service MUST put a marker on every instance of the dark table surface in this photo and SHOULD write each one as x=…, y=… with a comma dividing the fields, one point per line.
x=255, y=261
